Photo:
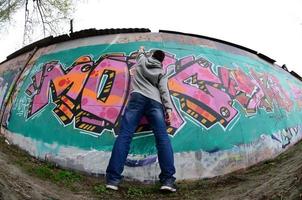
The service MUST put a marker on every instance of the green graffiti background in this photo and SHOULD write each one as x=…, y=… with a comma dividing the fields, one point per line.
x=45, y=128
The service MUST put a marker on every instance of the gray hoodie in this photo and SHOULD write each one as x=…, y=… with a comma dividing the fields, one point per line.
x=150, y=80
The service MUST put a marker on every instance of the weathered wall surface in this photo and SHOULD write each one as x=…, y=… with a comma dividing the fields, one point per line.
x=231, y=109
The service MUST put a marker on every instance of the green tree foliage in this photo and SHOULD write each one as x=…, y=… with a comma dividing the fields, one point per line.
x=7, y=8
x=49, y=17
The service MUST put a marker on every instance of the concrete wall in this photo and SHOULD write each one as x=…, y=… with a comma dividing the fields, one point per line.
x=231, y=108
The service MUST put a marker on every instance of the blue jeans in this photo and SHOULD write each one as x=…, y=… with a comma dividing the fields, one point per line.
x=138, y=106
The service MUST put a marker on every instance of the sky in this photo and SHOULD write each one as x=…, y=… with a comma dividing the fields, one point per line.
x=271, y=27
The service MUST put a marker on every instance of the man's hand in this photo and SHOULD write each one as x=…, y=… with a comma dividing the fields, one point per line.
x=142, y=49
x=168, y=117
x=139, y=52
x=132, y=71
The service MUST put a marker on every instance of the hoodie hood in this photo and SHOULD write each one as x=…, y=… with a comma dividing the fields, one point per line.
x=153, y=63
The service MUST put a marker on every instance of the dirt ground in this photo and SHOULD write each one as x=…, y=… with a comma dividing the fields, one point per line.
x=23, y=177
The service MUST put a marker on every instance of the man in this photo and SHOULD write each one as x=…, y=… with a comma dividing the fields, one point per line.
x=149, y=96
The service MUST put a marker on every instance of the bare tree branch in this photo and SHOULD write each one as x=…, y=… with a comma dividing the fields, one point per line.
x=42, y=17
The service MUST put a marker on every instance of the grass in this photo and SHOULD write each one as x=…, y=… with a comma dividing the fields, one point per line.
x=43, y=170
x=134, y=192
x=49, y=172
x=100, y=189
x=242, y=181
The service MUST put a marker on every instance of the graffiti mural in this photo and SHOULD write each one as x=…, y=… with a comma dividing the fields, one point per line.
x=285, y=136
x=6, y=80
x=197, y=88
x=92, y=94
x=245, y=89
x=297, y=93
x=231, y=109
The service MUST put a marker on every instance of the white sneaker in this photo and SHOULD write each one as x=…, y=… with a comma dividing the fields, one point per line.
x=111, y=187
x=168, y=187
